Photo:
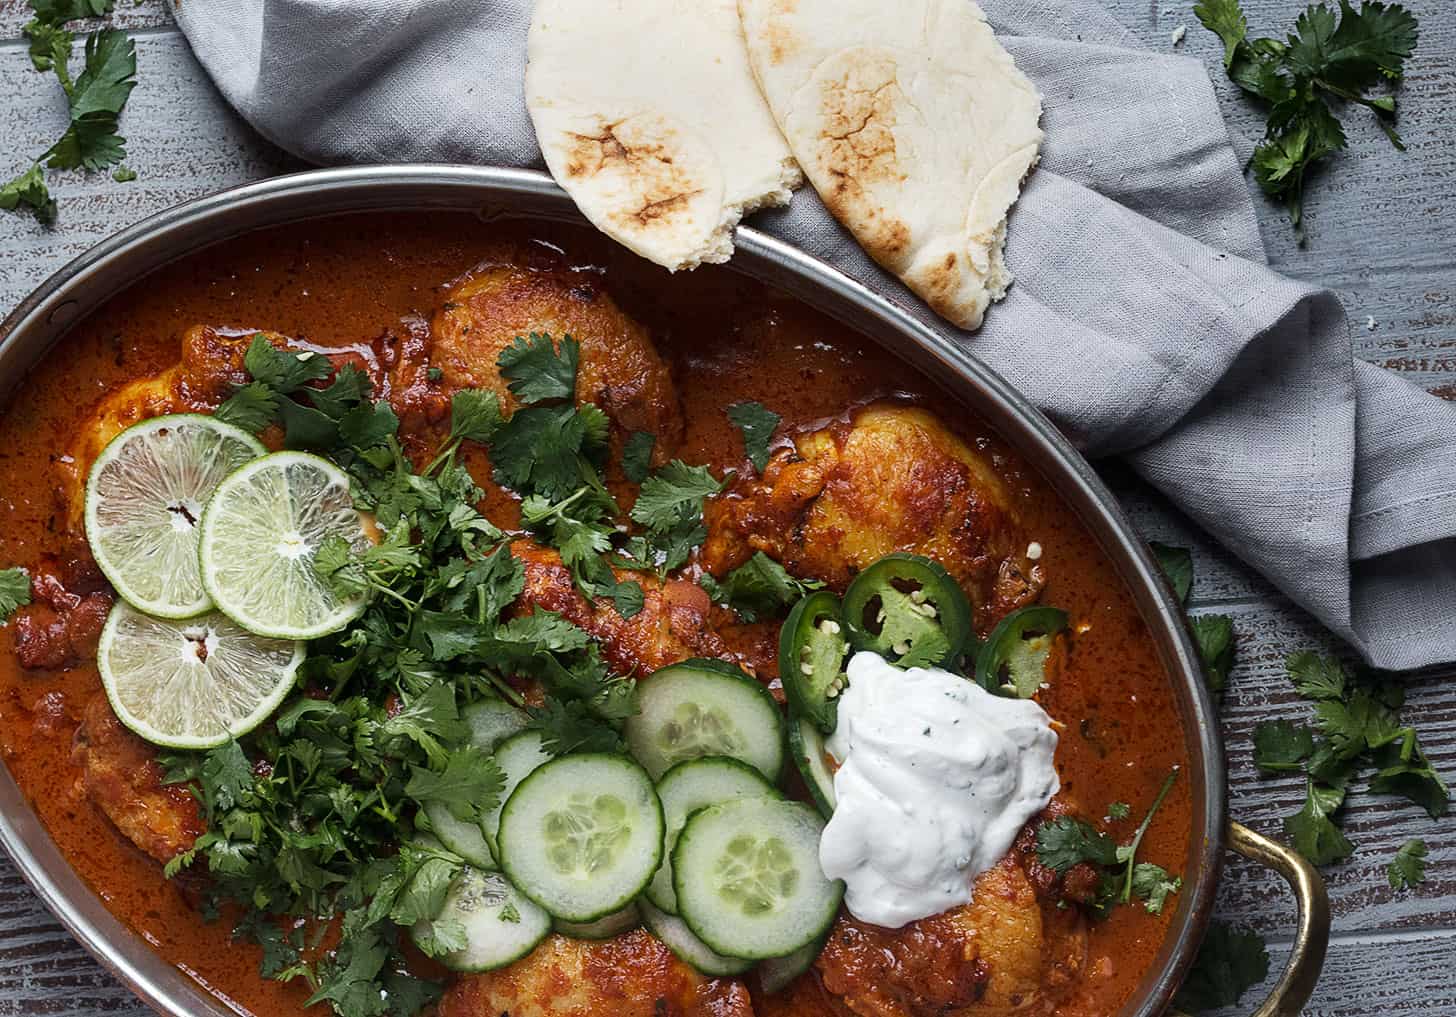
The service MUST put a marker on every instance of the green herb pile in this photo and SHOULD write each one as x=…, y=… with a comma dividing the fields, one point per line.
x=1330, y=57
x=1357, y=728
x=94, y=99
x=312, y=817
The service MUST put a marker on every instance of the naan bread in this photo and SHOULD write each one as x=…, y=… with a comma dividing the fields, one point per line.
x=648, y=114
x=914, y=125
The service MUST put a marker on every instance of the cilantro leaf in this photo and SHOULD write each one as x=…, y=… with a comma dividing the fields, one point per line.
x=761, y=587
x=1317, y=677
x=1118, y=810
x=1177, y=565
x=1067, y=841
x=541, y=450
x=757, y=423
x=673, y=494
x=1405, y=770
x=475, y=414
x=536, y=370
x=252, y=407
x=29, y=189
x=284, y=371
x=1408, y=868
x=1364, y=48
x=470, y=784
x=568, y=726
x=1226, y=19
x=14, y=592
x=1214, y=634
x=1312, y=829
x=350, y=387
x=637, y=455
x=1152, y=884
x=1229, y=963
x=1280, y=745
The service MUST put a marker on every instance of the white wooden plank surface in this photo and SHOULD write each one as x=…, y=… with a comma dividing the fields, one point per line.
x=1381, y=235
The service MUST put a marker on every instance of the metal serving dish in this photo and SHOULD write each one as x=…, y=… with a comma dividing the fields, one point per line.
x=82, y=286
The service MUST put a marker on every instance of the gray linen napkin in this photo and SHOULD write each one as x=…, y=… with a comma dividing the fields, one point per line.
x=1143, y=320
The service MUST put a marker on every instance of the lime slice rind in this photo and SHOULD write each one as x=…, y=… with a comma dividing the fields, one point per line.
x=192, y=683
x=259, y=534
x=144, y=496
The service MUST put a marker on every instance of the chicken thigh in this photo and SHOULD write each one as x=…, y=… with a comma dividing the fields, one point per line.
x=632, y=975
x=890, y=478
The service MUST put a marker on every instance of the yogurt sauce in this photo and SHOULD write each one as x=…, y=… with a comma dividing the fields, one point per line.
x=936, y=778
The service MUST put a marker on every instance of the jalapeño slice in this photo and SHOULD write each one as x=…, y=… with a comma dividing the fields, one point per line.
x=812, y=652
x=1014, y=658
x=909, y=610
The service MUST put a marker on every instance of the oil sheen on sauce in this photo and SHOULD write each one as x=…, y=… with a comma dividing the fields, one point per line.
x=936, y=778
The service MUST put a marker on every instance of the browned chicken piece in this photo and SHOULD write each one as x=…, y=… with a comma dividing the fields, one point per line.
x=619, y=370
x=673, y=625
x=633, y=975
x=210, y=370
x=63, y=623
x=121, y=775
x=1002, y=952
x=890, y=478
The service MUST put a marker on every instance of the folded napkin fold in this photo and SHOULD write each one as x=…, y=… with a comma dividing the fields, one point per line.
x=1144, y=320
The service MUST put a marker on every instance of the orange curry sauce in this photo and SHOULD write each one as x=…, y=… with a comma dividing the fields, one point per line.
x=349, y=280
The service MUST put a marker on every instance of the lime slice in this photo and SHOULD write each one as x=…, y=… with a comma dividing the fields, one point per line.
x=144, y=497
x=192, y=683
x=259, y=534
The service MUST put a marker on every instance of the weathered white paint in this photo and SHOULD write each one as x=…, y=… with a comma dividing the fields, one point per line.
x=1380, y=234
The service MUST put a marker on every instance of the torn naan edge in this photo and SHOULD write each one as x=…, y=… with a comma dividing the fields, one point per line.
x=915, y=127
x=649, y=116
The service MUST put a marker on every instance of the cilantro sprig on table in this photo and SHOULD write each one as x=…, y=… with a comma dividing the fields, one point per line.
x=1329, y=57
x=1356, y=727
x=94, y=99
x=311, y=826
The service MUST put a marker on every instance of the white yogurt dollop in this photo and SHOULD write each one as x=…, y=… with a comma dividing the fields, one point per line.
x=936, y=778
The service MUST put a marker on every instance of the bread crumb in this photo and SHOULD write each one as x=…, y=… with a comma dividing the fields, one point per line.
x=1179, y=34
x=1370, y=323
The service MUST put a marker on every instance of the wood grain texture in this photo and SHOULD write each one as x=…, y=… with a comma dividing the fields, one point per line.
x=1381, y=235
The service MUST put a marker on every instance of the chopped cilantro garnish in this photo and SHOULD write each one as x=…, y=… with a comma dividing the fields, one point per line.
x=537, y=370
x=14, y=592
x=758, y=588
x=1118, y=810
x=1229, y=963
x=1330, y=57
x=1408, y=868
x=1067, y=841
x=757, y=423
x=637, y=456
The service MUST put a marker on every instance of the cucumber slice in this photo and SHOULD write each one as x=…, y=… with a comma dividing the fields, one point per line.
x=777, y=973
x=686, y=947
x=518, y=757
x=705, y=708
x=614, y=924
x=501, y=924
x=582, y=835
x=806, y=745
x=685, y=789
x=748, y=879
x=464, y=838
x=492, y=721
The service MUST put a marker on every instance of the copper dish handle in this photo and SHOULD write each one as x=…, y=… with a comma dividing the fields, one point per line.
x=1311, y=939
